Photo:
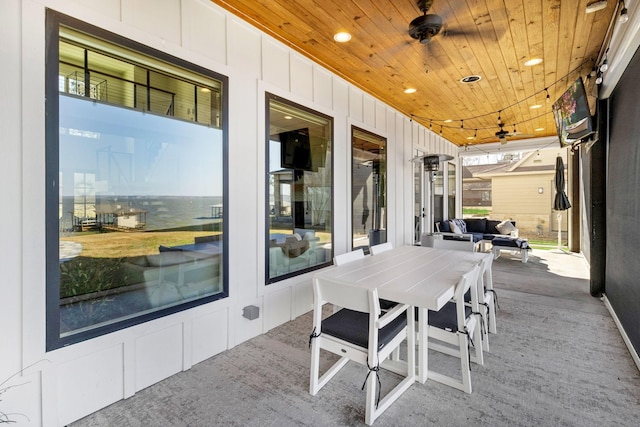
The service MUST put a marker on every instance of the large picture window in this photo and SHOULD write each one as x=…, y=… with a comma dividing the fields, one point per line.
x=299, y=189
x=136, y=183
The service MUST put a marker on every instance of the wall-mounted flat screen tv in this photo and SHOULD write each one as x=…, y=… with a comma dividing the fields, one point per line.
x=573, y=117
x=295, y=150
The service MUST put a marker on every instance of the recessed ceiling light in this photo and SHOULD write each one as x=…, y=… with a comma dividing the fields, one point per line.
x=410, y=90
x=342, y=37
x=470, y=79
x=539, y=129
x=471, y=138
x=533, y=61
x=288, y=117
x=533, y=107
x=205, y=90
x=448, y=121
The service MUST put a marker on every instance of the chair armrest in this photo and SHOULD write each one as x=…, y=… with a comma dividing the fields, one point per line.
x=390, y=315
x=464, y=236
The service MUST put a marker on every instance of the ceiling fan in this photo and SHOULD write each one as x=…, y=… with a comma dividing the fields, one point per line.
x=424, y=27
x=502, y=133
x=428, y=25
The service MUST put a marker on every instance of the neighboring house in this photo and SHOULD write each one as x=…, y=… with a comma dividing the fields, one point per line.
x=521, y=190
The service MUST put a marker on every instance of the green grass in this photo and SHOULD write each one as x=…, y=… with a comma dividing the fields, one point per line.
x=476, y=211
x=545, y=244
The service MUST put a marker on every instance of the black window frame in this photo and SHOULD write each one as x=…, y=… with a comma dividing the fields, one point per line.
x=268, y=98
x=53, y=21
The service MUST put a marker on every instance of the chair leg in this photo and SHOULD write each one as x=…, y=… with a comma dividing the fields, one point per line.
x=484, y=327
x=464, y=363
x=316, y=381
x=395, y=355
x=370, y=406
x=490, y=298
x=479, y=340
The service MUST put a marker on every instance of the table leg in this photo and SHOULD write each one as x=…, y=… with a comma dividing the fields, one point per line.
x=423, y=345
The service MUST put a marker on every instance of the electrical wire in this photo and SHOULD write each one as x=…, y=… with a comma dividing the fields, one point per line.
x=499, y=112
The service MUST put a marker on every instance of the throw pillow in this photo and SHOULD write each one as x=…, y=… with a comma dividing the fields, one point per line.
x=455, y=228
x=297, y=236
x=461, y=224
x=506, y=227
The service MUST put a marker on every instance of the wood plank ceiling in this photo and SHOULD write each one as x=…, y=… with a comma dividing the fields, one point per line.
x=488, y=38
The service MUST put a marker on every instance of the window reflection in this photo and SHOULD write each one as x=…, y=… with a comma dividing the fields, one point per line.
x=451, y=199
x=137, y=204
x=299, y=190
x=137, y=207
x=368, y=180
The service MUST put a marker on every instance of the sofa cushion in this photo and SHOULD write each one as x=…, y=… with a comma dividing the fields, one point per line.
x=164, y=259
x=140, y=260
x=491, y=226
x=444, y=227
x=476, y=225
x=477, y=237
x=511, y=242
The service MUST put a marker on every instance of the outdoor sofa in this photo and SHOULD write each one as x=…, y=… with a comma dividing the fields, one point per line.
x=503, y=235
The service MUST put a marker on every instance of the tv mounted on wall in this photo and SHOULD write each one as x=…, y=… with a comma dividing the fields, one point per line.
x=573, y=117
x=295, y=150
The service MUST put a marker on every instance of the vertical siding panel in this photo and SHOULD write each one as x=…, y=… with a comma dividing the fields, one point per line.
x=301, y=76
x=275, y=63
x=369, y=111
x=204, y=31
x=356, y=104
x=322, y=87
x=158, y=17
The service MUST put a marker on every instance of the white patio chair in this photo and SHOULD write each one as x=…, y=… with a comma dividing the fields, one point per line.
x=486, y=300
x=348, y=257
x=450, y=329
x=489, y=296
x=483, y=298
x=358, y=332
x=344, y=259
x=382, y=247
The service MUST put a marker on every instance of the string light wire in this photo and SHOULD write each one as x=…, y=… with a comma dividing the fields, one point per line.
x=499, y=112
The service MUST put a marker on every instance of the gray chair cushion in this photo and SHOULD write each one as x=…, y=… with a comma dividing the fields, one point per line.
x=353, y=326
x=445, y=318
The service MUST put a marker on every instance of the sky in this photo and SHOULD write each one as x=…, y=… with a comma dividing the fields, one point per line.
x=130, y=152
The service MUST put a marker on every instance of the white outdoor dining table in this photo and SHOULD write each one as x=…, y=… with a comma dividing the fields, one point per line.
x=419, y=276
